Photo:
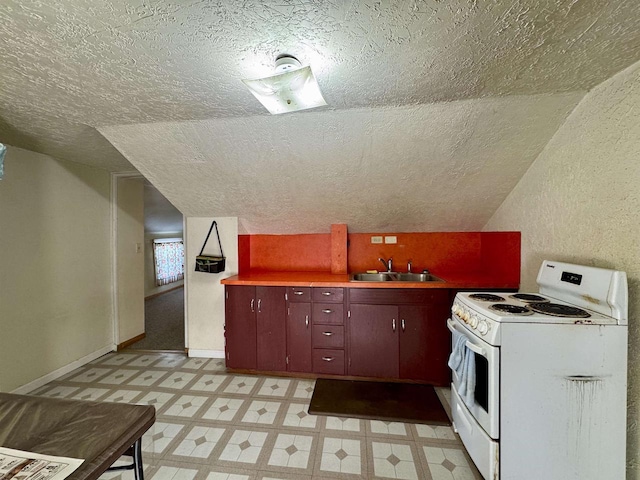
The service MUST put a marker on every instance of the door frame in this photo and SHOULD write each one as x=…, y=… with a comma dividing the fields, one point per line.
x=115, y=177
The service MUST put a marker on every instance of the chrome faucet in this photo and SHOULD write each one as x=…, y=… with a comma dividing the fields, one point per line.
x=387, y=263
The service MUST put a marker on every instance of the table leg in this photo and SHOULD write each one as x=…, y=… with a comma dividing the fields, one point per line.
x=137, y=460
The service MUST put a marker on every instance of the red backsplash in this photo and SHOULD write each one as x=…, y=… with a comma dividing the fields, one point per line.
x=437, y=252
x=288, y=253
x=493, y=253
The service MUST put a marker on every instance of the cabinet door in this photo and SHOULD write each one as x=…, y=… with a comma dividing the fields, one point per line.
x=414, y=342
x=271, y=328
x=240, y=327
x=424, y=343
x=299, y=337
x=373, y=341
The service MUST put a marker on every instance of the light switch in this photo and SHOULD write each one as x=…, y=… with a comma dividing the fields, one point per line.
x=391, y=239
x=138, y=247
x=376, y=239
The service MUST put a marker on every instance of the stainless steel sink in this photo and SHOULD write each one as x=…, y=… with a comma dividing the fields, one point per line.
x=374, y=277
x=395, y=277
x=418, y=277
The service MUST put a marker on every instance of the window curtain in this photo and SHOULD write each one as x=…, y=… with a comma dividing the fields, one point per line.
x=168, y=255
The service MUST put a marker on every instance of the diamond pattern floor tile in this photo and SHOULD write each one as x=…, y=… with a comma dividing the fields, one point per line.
x=211, y=425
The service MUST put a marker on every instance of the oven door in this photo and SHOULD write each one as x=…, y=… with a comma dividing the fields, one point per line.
x=484, y=403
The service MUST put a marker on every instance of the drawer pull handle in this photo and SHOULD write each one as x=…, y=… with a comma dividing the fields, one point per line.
x=402, y=324
x=393, y=324
x=328, y=334
x=306, y=321
x=297, y=292
x=327, y=359
x=326, y=294
x=327, y=310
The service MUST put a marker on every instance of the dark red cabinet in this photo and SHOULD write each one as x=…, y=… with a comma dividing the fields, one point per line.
x=271, y=328
x=373, y=341
x=299, y=337
x=382, y=333
x=255, y=328
x=240, y=327
x=396, y=333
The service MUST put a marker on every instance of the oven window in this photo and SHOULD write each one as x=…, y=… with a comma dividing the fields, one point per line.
x=481, y=394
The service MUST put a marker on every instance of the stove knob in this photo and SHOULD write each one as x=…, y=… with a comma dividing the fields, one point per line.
x=465, y=317
x=483, y=327
x=473, y=321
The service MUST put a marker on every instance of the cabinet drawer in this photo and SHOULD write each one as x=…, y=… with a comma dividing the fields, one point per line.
x=328, y=336
x=328, y=294
x=299, y=294
x=327, y=313
x=326, y=361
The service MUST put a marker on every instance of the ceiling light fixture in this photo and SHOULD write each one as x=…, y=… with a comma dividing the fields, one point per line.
x=292, y=87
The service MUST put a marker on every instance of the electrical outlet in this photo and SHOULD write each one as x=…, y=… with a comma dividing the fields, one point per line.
x=391, y=239
x=376, y=239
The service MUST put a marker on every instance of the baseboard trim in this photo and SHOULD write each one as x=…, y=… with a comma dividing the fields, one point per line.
x=50, y=377
x=131, y=341
x=205, y=353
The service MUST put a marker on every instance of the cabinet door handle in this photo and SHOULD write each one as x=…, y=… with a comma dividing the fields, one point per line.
x=327, y=334
x=326, y=294
x=252, y=303
x=402, y=324
x=306, y=321
x=327, y=310
x=259, y=305
x=297, y=292
x=393, y=324
x=327, y=359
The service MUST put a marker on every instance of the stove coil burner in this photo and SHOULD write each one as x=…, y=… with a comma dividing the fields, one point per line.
x=510, y=309
x=557, y=310
x=529, y=297
x=486, y=297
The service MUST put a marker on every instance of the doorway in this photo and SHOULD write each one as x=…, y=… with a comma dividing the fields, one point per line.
x=149, y=303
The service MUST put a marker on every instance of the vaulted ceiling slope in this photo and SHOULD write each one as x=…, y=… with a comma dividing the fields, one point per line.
x=433, y=167
x=70, y=67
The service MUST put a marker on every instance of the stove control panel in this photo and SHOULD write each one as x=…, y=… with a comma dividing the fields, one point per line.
x=471, y=319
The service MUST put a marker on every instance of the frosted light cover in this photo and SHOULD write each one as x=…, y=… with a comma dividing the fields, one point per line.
x=287, y=92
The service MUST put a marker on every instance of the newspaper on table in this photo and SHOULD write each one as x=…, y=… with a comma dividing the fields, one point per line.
x=19, y=465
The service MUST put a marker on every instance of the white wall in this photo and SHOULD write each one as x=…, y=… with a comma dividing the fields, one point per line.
x=150, y=287
x=580, y=202
x=204, y=295
x=130, y=261
x=55, y=286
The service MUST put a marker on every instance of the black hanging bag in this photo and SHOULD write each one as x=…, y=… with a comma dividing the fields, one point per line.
x=211, y=263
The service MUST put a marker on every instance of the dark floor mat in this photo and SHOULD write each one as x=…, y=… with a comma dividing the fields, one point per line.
x=402, y=402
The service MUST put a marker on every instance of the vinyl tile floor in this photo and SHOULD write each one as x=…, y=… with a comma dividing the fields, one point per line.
x=212, y=425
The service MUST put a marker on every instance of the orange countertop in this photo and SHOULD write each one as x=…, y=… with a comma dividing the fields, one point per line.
x=326, y=279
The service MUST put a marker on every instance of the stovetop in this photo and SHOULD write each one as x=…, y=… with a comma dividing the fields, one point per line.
x=569, y=295
x=528, y=308
x=485, y=316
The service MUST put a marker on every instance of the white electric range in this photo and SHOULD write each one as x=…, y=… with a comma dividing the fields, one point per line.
x=539, y=379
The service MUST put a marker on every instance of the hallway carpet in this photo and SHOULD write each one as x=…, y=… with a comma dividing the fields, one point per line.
x=163, y=322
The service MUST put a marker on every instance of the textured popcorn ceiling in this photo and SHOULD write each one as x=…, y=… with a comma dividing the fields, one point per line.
x=70, y=67
x=429, y=167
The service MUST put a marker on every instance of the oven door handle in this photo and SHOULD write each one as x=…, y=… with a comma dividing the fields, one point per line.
x=468, y=344
x=475, y=348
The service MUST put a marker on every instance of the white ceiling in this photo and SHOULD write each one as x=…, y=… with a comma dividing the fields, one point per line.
x=425, y=97
x=159, y=215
